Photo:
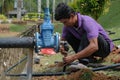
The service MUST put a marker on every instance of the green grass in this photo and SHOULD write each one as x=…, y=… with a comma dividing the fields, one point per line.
x=112, y=18
x=17, y=28
x=58, y=27
x=116, y=35
x=111, y=21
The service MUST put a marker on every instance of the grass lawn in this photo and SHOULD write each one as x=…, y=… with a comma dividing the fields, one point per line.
x=112, y=18
x=111, y=21
x=58, y=27
x=17, y=28
x=10, y=30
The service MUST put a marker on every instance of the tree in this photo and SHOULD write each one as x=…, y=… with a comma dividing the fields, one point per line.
x=7, y=5
x=92, y=8
x=19, y=7
x=31, y=5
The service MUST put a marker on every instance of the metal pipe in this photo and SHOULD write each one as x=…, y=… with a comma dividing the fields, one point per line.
x=29, y=65
x=17, y=42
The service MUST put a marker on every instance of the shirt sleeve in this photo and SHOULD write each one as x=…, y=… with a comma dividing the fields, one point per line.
x=91, y=28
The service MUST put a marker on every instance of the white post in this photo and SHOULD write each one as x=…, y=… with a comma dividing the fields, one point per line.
x=39, y=8
x=53, y=10
x=47, y=3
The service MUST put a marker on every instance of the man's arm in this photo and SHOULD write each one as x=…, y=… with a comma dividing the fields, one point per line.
x=89, y=50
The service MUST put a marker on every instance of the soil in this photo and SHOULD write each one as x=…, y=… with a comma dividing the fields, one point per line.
x=8, y=34
x=83, y=74
x=113, y=57
x=5, y=31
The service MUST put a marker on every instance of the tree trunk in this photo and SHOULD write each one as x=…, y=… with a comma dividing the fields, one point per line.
x=47, y=3
x=19, y=2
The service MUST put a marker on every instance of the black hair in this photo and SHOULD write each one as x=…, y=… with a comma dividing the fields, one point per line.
x=63, y=11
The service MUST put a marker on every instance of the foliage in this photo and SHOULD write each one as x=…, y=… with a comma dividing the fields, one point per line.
x=31, y=5
x=0, y=4
x=58, y=27
x=7, y=5
x=33, y=16
x=86, y=76
x=93, y=8
x=34, y=4
x=2, y=17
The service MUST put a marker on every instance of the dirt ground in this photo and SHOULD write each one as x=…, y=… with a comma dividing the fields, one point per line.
x=5, y=31
x=8, y=34
x=80, y=75
x=84, y=74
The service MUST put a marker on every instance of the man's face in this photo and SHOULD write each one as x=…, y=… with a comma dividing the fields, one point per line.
x=68, y=22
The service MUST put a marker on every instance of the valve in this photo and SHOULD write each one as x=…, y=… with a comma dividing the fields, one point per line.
x=46, y=38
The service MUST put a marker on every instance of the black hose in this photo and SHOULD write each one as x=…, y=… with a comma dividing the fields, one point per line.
x=106, y=67
x=15, y=42
x=25, y=58
x=116, y=39
x=64, y=73
x=40, y=74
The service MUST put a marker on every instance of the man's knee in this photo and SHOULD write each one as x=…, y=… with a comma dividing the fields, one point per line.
x=104, y=47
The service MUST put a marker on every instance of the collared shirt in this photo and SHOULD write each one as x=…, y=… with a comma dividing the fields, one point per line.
x=87, y=25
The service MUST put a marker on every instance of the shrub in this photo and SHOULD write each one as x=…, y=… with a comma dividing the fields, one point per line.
x=2, y=17
x=33, y=16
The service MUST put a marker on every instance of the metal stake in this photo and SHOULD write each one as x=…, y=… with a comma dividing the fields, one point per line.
x=29, y=65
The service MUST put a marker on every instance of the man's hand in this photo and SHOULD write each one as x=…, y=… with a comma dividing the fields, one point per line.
x=69, y=59
x=63, y=51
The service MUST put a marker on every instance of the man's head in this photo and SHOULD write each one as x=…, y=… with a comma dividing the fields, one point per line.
x=65, y=14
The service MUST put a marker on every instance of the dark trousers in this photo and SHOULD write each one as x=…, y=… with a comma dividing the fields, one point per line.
x=78, y=45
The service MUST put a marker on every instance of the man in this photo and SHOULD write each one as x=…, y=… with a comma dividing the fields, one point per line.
x=87, y=38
